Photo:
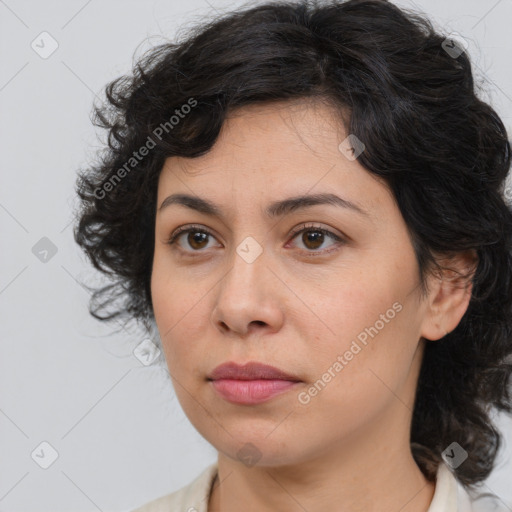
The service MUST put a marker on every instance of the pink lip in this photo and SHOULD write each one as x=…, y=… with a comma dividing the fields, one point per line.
x=249, y=371
x=251, y=383
x=250, y=392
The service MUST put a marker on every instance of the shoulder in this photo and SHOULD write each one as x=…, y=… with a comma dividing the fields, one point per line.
x=190, y=498
x=472, y=501
x=451, y=496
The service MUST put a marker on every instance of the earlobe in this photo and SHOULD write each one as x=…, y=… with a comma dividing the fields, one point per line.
x=449, y=295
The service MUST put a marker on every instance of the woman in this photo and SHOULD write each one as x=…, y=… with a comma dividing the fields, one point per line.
x=308, y=203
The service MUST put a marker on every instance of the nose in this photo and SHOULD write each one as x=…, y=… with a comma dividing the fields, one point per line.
x=249, y=297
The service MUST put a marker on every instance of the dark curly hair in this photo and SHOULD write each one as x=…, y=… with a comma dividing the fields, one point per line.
x=443, y=151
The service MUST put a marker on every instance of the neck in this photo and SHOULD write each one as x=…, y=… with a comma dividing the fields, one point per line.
x=370, y=478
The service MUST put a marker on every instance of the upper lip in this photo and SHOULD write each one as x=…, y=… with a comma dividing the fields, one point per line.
x=250, y=371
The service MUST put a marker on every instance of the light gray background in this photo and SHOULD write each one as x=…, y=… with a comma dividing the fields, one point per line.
x=65, y=379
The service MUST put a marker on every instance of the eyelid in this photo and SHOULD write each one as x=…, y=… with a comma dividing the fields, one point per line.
x=188, y=227
x=312, y=226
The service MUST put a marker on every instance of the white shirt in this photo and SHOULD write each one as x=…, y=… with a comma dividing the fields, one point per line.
x=449, y=496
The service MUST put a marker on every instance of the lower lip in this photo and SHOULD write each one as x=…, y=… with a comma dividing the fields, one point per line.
x=251, y=391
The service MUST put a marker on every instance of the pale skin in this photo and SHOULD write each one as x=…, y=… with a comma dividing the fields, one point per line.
x=297, y=306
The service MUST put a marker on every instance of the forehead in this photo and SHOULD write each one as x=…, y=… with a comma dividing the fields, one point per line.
x=275, y=130
x=272, y=150
x=283, y=136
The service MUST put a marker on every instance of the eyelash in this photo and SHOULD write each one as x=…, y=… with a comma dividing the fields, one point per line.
x=303, y=228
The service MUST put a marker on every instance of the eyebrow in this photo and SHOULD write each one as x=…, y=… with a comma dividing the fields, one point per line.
x=275, y=209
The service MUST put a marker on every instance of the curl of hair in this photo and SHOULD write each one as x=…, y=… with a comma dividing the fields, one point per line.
x=442, y=150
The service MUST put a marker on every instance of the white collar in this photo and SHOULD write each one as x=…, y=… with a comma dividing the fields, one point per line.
x=449, y=495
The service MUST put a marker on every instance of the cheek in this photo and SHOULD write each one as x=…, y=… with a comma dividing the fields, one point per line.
x=182, y=318
x=170, y=305
x=171, y=295
x=372, y=301
x=372, y=323
x=362, y=304
x=357, y=377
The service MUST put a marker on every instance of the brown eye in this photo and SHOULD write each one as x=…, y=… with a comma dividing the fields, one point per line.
x=314, y=237
x=196, y=240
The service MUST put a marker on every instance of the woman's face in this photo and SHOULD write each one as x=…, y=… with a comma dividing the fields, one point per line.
x=340, y=310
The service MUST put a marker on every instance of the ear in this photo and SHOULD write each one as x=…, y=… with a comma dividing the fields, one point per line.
x=449, y=293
